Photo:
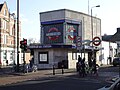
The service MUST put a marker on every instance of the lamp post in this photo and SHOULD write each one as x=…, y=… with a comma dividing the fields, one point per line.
x=93, y=31
x=88, y=6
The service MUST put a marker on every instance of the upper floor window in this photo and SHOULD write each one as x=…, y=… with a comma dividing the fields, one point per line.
x=5, y=39
x=11, y=30
x=5, y=12
x=4, y=24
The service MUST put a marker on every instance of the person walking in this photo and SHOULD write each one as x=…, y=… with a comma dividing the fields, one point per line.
x=78, y=65
x=83, y=67
x=90, y=64
x=0, y=64
x=79, y=69
x=7, y=62
x=94, y=67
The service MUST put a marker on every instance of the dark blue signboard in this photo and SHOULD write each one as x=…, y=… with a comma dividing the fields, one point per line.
x=51, y=46
x=52, y=33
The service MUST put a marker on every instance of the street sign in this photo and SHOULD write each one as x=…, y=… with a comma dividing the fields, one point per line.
x=96, y=41
x=86, y=42
x=78, y=41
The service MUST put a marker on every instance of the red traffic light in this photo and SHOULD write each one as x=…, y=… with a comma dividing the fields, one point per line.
x=25, y=41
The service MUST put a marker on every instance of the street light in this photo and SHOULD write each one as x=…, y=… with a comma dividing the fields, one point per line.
x=92, y=21
x=93, y=31
x=88, y=6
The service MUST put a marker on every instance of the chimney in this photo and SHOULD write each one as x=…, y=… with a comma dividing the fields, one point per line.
x=118, y=30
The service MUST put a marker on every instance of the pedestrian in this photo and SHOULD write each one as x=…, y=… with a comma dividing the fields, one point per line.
x=83, y=67
x=79, y=58
x=78, y=65
x=7, y=62
x=110, y=60
x=94, y=67
x=90, y=65
x=0, y=64
x=31, y=64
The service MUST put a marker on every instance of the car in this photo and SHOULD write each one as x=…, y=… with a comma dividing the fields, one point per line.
x=116, y=61
x=114, y=86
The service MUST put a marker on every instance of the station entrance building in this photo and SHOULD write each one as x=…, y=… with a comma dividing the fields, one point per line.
x=58, y=34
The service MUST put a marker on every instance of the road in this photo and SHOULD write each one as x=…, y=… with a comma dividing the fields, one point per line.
x=57, y=83
x=64, y=82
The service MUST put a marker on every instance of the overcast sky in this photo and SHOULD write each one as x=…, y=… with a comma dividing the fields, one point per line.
x=108, y=12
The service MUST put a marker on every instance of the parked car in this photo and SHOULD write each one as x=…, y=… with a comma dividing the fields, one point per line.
x=114, y=86
x=116, y=61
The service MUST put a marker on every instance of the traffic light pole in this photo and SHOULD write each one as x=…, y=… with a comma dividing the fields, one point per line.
x=24, y=60
x=17, y=35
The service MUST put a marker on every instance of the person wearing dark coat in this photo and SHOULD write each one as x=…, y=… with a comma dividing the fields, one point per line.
x=95, y=67
x=83, y=67
x=78, y=64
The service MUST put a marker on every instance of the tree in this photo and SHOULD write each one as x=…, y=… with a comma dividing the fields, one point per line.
x=32, y=40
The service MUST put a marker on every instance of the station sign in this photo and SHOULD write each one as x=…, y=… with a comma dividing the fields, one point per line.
x=96, y=41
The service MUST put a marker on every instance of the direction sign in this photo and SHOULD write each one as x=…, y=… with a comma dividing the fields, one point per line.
x=96, y=41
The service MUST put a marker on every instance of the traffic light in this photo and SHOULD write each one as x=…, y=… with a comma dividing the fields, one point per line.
x=23, y=44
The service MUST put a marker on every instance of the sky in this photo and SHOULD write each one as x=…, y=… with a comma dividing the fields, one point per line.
x=108, y=12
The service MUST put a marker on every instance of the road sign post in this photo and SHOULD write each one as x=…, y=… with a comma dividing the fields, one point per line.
x=78, y=43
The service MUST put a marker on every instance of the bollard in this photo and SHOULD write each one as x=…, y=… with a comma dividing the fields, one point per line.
x=62, y=69
x=53, y=69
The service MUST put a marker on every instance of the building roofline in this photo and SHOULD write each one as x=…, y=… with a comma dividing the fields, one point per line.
x=1, y=5
x=70, y=11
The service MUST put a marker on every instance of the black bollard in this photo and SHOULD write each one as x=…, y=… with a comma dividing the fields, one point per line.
x=62, y=69
x=53, y=69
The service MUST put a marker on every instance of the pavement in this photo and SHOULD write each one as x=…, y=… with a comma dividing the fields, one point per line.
x=9, y=77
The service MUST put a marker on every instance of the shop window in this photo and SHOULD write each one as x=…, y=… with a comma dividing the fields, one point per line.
x=43, y=57
x=11, y=55
x=5, y=54
x=74, y=56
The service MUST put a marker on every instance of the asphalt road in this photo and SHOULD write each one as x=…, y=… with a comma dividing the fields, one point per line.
x=63, y=82
x=57, y=83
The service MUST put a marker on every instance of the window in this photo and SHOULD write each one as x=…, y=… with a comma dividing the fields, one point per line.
x=74, y=56
x=5, y=54
x=11, y=55
x=5, y=39
x=5, y=12
x=43, y=57
x=11, y=30
x=4, y=24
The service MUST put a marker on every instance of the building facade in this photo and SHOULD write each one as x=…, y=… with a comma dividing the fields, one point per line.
x=8, y=35
x=111, y=44
x=60, y=30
